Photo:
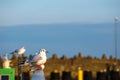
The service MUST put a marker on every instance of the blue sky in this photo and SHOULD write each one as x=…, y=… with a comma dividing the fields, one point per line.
x=61, y=26
x=14, y=12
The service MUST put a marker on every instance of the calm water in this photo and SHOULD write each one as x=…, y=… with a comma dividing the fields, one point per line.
x=68, y=39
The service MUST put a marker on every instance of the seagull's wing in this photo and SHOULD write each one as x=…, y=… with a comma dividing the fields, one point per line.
x=36, y=58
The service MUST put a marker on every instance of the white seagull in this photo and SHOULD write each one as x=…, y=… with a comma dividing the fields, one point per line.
x=40, y=58
x=20, y=51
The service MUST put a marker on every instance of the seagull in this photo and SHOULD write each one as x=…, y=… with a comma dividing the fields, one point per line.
x=20, y=51
x=40, y=58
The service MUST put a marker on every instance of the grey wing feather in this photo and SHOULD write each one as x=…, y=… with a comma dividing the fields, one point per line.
x=36, y=58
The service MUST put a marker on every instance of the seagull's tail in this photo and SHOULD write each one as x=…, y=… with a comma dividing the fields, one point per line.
x=27, y=62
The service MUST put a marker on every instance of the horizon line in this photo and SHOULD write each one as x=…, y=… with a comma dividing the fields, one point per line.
x=17, y=25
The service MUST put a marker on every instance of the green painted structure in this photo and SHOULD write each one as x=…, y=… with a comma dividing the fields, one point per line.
x=7, y=74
